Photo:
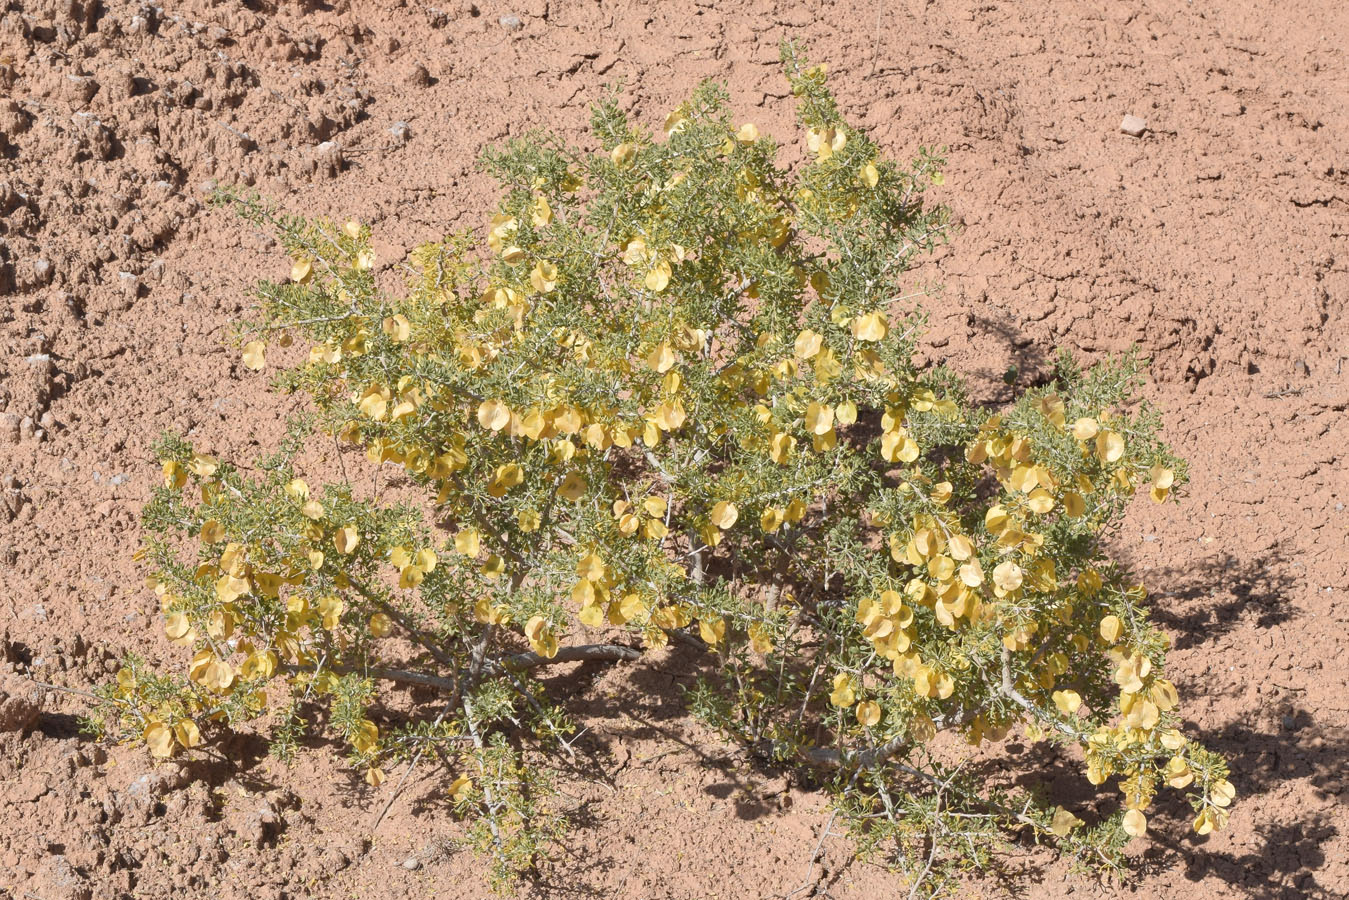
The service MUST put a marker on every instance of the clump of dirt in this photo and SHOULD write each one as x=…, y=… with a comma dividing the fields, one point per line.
x=1213, y=238
x=20, y=703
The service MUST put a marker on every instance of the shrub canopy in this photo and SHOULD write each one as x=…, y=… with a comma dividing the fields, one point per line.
x=675, y=397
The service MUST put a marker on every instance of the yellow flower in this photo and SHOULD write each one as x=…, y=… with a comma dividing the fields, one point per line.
x=724, y=514
x=212, y=532
x=346, y=538
x=808, y=344
x=658, y=276
x=1109, y=446
x=1110, y=628
x=819, y=418
x=712, y=631
x=175, y=476
x=255, y=357
x=825, y=142
x=187, y=733
x=467, y=542
x=364, y=736
x=506, y=477
x=897, y=446
x=842, y=695
x=493, y=415
x=662, y=358
x=541, y=638
x=1063, y=822
x=870, y=327
x=159, y=738
x=781, y=447
x=541, y=213
x=573, y=487
x=544, y=276
x=760, y=639
x=623, y=155
x=380, y=625
x=1007, y=576
x=499, y=230
x=675, y=121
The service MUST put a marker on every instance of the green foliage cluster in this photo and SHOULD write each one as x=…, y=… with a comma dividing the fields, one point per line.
x=674, y=397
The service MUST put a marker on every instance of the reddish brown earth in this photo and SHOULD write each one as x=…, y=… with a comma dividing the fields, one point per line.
x=1218, y=240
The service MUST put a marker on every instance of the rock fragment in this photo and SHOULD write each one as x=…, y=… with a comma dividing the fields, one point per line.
x=418, y=75
x=12, y=499
x=1133, y=126
x=80, y=88
x=20, y=703
x=9, y=427
x=328, y=160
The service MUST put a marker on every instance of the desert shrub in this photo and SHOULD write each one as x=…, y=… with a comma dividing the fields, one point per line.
x=674, y=398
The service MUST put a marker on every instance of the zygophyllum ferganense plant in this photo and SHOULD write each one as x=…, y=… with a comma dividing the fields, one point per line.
x=674, y=397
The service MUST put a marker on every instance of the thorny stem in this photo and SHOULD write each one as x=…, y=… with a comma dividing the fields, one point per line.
x=1010, y=692
x=488, y=795
x=476, y=662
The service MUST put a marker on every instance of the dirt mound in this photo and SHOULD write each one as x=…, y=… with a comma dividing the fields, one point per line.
x=1215, y=239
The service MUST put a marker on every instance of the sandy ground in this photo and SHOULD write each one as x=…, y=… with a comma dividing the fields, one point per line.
x=1218, y=240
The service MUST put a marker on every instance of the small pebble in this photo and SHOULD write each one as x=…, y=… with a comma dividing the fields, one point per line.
x=1289, y=723
x=9, y=428
x=511, y=23
x=1300, y=367
x=328, y=159
x=412, y=863
x=1133, y=126
x=401, y=131
x=418, y=76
